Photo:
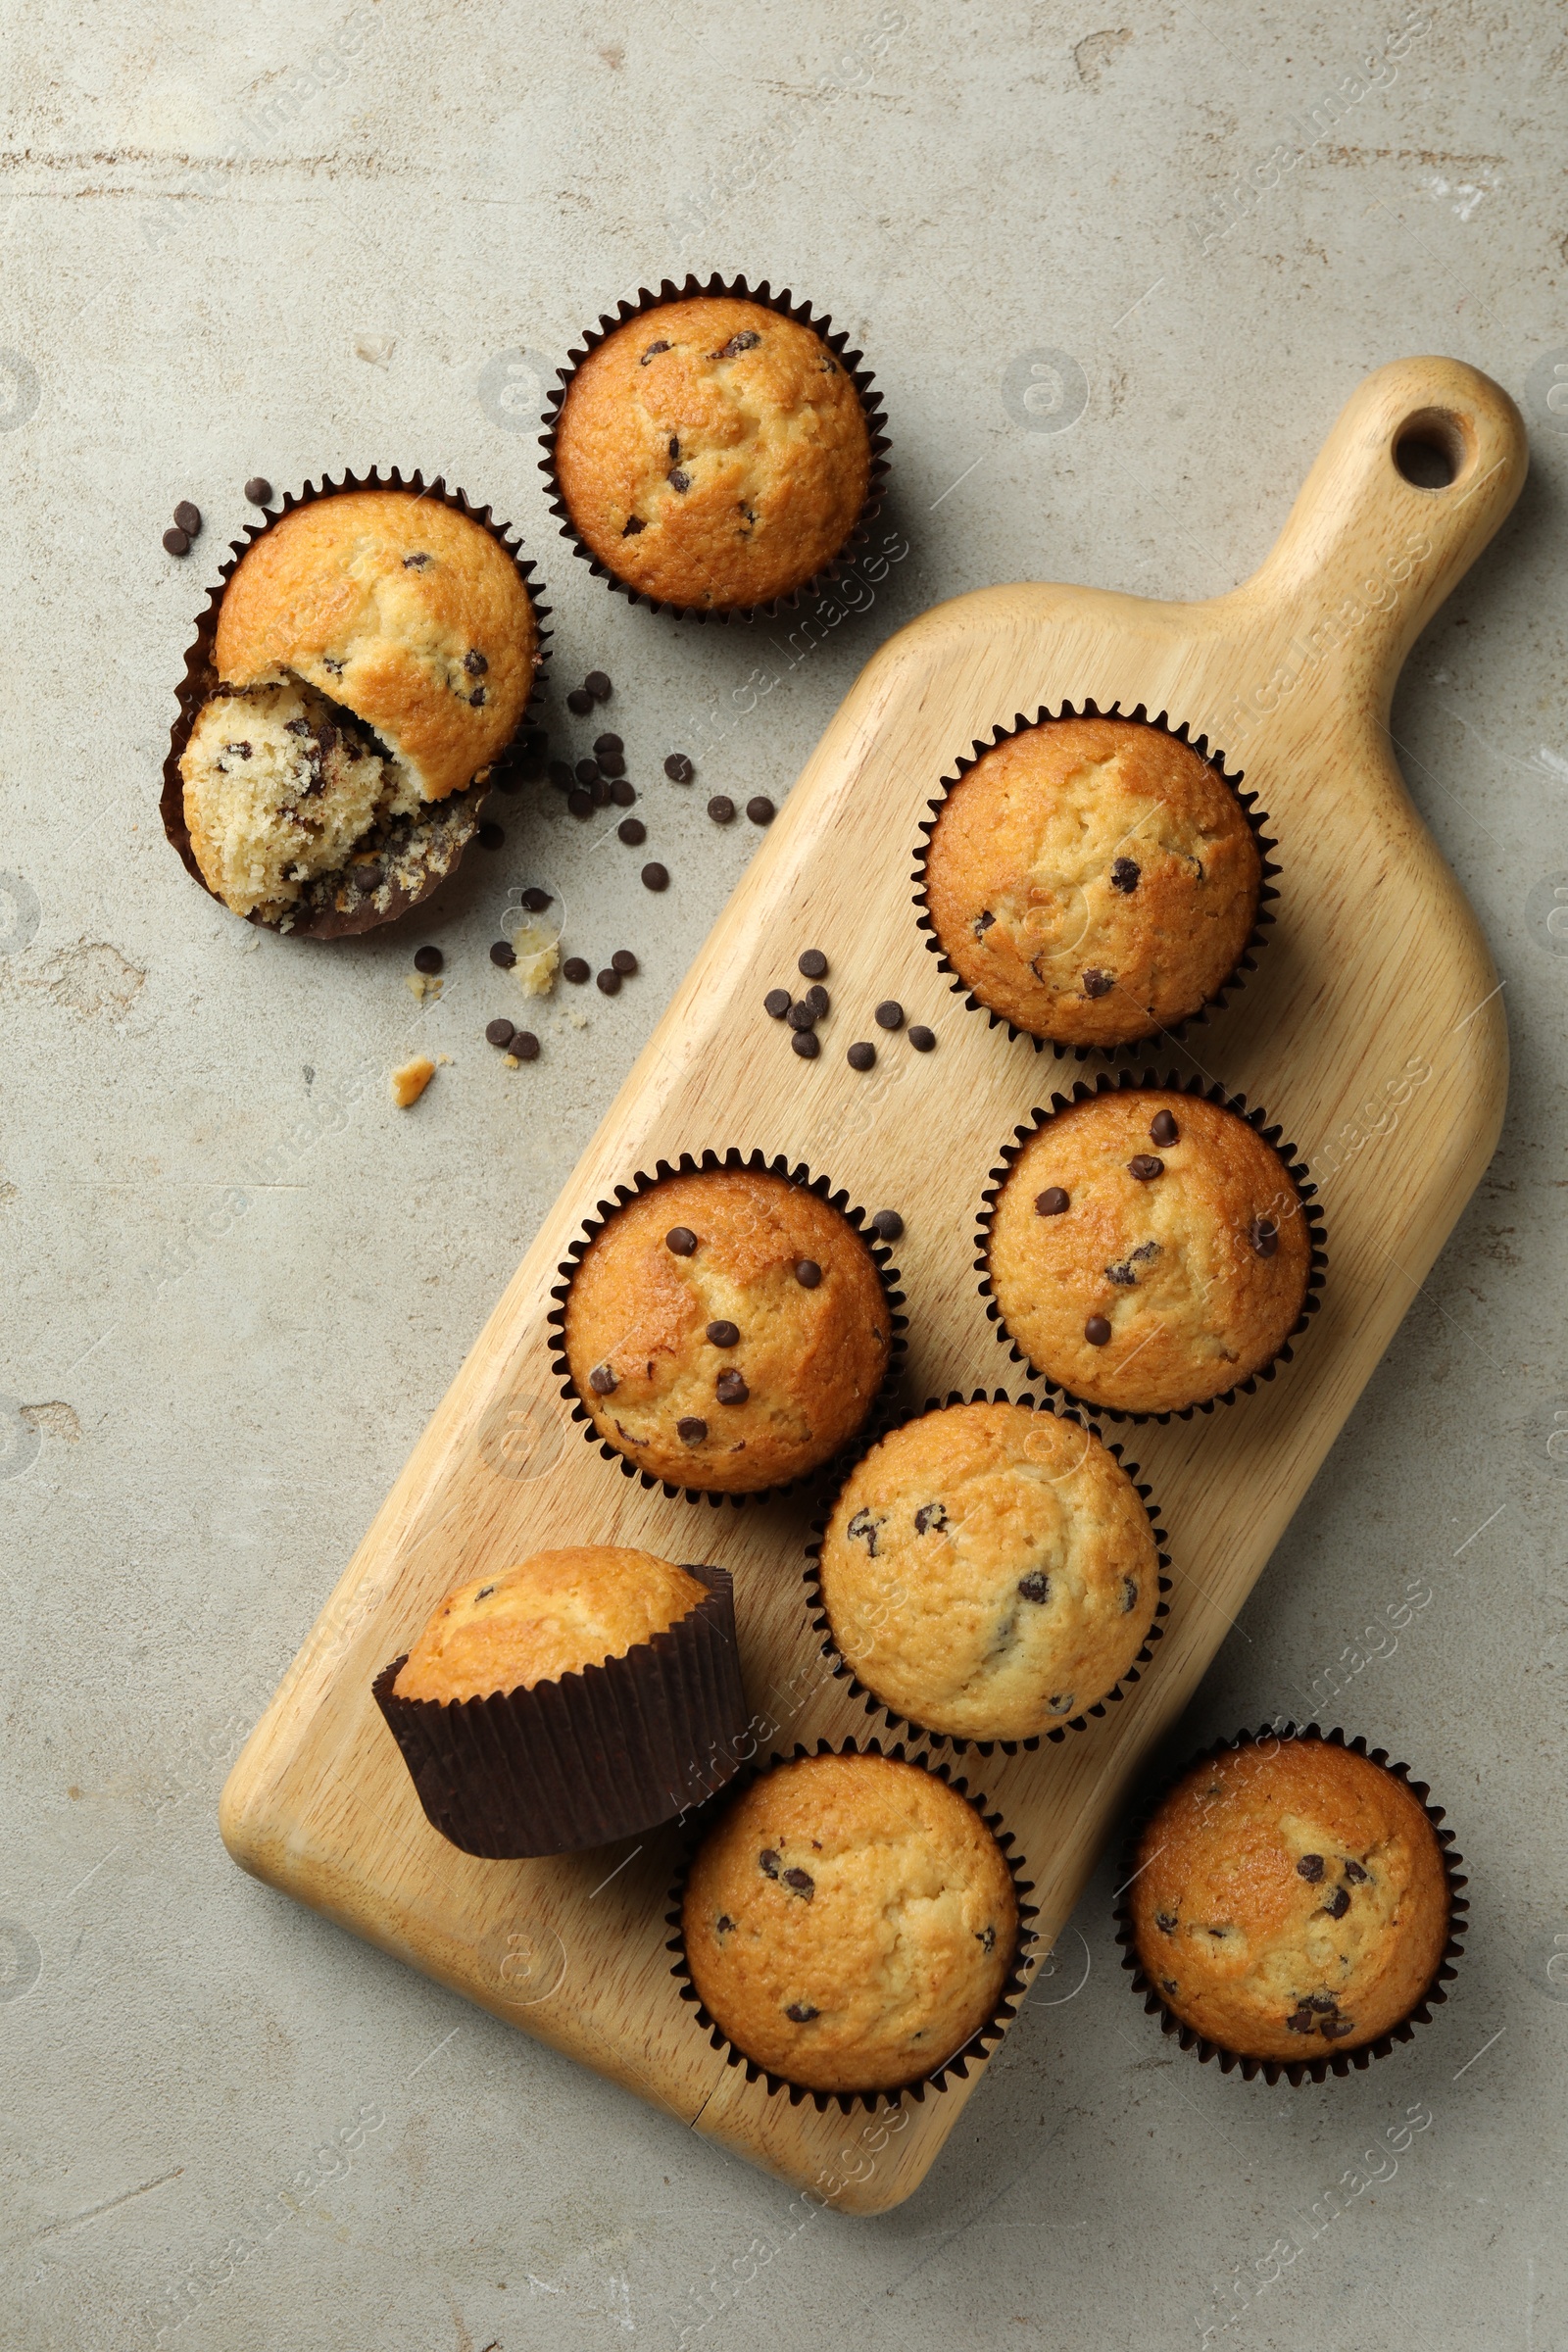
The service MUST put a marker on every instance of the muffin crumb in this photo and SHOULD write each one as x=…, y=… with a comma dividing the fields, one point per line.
x=410, y=1082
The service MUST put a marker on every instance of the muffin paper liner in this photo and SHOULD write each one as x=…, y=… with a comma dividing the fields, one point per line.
x=881, y=1406
x=1296, y=2071
x=958, y=2064
x=961, y=1743
x=1256, y=939
x=1125, y=1081
x=587, y=1760
x=738, y=290
x=450, y=826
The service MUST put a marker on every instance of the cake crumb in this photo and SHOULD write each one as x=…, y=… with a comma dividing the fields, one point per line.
x=538, y=953
x=422, y=988
x=410, y=1082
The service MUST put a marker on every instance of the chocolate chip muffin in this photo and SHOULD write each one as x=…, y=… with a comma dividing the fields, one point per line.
x=727, y=1330
x=374, y=652
x=713, y=454
x=553, y=1615
x=849, y=1924
x=1149, y=1251
x=1287, y=1895
x=1094, y=880
x=989, y=1572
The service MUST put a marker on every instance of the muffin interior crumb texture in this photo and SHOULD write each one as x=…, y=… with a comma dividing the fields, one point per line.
x=850, y=1923
x=553, y=1615
x=1291, y=1898
x=411, y=1080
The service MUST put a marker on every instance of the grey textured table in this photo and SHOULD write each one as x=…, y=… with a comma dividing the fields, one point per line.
x=1115, y=282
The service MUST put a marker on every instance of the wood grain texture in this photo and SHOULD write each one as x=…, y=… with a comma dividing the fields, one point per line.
x=1371, y=1030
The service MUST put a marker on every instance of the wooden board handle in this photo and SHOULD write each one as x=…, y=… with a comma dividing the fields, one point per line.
x=1368, y=555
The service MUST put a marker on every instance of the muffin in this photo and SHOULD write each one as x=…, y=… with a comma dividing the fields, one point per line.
x=583, y=1696
x=374, y=652
x=849, y=1924
x=989, y=1572
x=727, y=1330
x=1092, y=880
x=713, y=454
x=1287, y=1895
x=1149, y=1251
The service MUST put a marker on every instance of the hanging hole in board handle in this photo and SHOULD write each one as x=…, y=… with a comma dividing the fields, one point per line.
x=1434, y=449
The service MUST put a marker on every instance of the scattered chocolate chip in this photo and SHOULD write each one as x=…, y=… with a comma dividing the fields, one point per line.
x=188, y=518
x=1051, y=1202
x=499, y=1034
x=575, y=969
x=731, y=1389
x=800, y=1882
x=681, y=1240
x=649, y=352
x=721, y=809
x=808, y=1273
x=677, y=479
x=1146, y=1166
x=777, y=1003
x=579, y=702
x=1354, y=1873
x=580, y=801
x=259, y=491
x=611, y=743
x=1124, y=876
x=760, y=809
x=586, y=772
x=625, y=962
x=525, y=1044
x=429, y=960
x=176, y=540
x=622, y=793
x=861, y=1055
x=632, y=526
x=490, y=837
x=608, y=982
x=930, y=1518
x=1164, y=1130
x=1310, y=1867
x=560, y=775
x=890, y=1015
x=1097, y=1331
x=598, y=684
x=678, y=768
x=691, y=1428
x=813, y=964
x=801, y=1015
x=1097, y=983
x=1165, y=1922
x=886, y=1224
x=801, y=2013
x=474, y=663
x=808, y=1044
x=746, y=340
x=724, y=1335
x=633, y=832
x=1301, y=2021
x=1264, y=1235
x=1335, y=2028
x=1035, y=1585
x=1339, y=1902
x=923, y=1039
x=655, y=877
x=601, y=793
x=602, y=1381
x=767, y=1862
x=820, y=1000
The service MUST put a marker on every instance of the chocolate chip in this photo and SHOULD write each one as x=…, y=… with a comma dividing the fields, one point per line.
x=801, y=2013
x=931, y=1517
x=808, y=1044
x=800, y=1882
x=986, y=1939
x=808, y=1273
x=861, y=1055
x=923, y=1039
x=577, y=969
x=863, y=1530
x=1335, y=2028
x=820, y=1000
x=674, y=449
x=608, y=982
x=1097, y=1331
x=777, y=1003
x=599, y=793
x=259, y=491
x=418, y=563
x=982, y=922
x=746, y=340
x=632, y=526
x=1124, y=876
x=813, y=964
x=890, y=1015
x=625, y=962
x=680, y=1240
x=886, y=1224
x=499, y=1034
x=724, y=1335
x=1164, y=1130
x=176, y=540
x=429, y=960
x=1129, y=1595
x=536, y=899
x=188, y=518
x=490, y=837
x=1301, y=2021
x=649, y=352
x=1146, y=1166
x=477, y=698
x=721, y=809
x=1051, y=1202
x=723, y=1925
x=731, y=1389
x=609, y=744
x=579, y=702
x=622, y=793
x=580, y=801
x=1324, y=2003
x=1354, y=1873
x=691, y=1428
x=586, y=772
x=525, y=1044
x=1061, y=1705
x=1310, y=1867
x=677, y=479
x=1097, y=983
x=598, y=684
x=1339, y=1902
x=801, y=1015
x=655, y=877
x=760, y=809
x=1264, y=1235
x=474, y=663
x=678, y=768
x=560, y=775
x=602, y=1381
x=767, y=1862
x=633, y=832
x=1035, y=1585
x=1165, y=1922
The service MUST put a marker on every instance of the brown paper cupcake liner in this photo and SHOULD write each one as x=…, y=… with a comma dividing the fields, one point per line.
x=961, y=1743
x=1294, y=1167
x=881, y=1404
x=735, y=289
x=1256, y=939
x=585, y=1761
x=956, y=2065
x=1296, y=2071
x=417, y=855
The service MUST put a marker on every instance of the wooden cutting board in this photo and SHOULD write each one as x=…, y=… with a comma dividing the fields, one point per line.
x=1372, y=1030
